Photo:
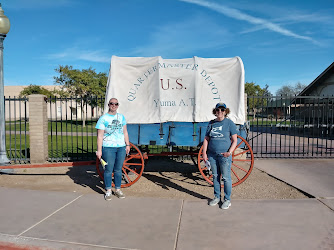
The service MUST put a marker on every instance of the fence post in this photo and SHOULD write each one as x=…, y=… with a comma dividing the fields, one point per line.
x=38, y=129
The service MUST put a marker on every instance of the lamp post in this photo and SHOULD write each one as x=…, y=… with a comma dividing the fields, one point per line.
x=4, y=28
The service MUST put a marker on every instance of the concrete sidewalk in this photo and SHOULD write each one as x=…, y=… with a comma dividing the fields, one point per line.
x=313, y=176
x=64, y=220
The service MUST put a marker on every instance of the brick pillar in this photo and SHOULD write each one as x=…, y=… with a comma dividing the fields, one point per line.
x=38, y=129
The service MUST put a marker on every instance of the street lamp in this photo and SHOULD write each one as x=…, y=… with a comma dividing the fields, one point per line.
x=4, y=28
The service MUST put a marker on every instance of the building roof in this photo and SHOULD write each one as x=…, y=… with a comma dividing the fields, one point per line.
x=320, y=79
x=11, y=91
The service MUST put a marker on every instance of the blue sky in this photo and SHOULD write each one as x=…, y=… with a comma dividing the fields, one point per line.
x=280, y=42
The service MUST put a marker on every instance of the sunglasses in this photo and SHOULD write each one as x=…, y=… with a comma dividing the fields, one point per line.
x=220, y=109
x=113, y=103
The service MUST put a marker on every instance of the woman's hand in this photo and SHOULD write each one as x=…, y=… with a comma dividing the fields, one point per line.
x=99, y=154
x=205, y=157
x=226, y=154
x=127, y=149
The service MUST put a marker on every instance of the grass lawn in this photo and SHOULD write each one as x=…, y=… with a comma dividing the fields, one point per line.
x=73, y=147
x=59, y=126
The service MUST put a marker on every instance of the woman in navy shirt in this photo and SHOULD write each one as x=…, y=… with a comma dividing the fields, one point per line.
x=219, y=143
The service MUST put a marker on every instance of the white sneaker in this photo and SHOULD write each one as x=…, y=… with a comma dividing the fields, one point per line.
x=119, y=194
x=214, y=201
x=226, y=204
x=107, y=196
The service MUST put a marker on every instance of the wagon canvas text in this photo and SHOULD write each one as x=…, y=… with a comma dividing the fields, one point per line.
x=174, y=89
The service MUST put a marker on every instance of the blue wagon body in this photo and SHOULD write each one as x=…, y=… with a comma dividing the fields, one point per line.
x=181, y=134
x=172, y=133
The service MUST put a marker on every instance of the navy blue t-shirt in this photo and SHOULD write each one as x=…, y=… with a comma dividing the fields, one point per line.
x=220, y=133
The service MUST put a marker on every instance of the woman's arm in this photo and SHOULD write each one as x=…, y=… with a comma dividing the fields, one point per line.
x=126, y=139
x=205, y=147
x=100, y=133
x=234, y=139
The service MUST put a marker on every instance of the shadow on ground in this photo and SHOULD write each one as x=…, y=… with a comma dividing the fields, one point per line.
x=167, y=184
x=86, y=176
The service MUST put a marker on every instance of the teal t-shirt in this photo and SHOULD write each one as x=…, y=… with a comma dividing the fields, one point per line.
x=113, y=129
x=220, y=133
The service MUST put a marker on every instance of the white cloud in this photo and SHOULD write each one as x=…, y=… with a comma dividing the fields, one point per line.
x=238, y=15
x=305, y=18
x=175, y=40
x=71, y=54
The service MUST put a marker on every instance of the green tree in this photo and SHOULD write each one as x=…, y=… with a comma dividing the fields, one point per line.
x=252, y=89
x=85, y=84
x=288, y=90
x=257, y=97
x=35, y=89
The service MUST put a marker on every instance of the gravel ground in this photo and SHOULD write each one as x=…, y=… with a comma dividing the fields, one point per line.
x=161, y=178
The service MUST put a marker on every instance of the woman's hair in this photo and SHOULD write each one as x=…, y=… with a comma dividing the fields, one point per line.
x=227, y=111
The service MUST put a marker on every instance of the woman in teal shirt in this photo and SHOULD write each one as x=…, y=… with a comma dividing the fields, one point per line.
x=112, y=145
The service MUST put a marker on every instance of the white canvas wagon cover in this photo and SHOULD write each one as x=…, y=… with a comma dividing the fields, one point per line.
x=156, y=90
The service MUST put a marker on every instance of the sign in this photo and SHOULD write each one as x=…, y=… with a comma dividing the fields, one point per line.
x=156, y=90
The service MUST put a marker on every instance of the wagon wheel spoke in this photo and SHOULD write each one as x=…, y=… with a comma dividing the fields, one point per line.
x=241, y=153
x=126, y=177
x=134, y=156
x=239, y=144
x=131, y=170
x=239, y=167
x=132, y=164
x=235, y=174
x=242, y=160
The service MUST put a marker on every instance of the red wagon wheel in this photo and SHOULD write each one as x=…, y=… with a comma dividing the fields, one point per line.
x=242, y=163
x=132, y=169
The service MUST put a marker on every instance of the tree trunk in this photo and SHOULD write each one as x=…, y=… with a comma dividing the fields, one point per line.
x=254, y=113
x=83, y=115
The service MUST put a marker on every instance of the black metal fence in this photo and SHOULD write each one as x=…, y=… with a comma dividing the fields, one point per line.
x=72, y=133
x=17, y=127
x=280, y=127
x=294, y=126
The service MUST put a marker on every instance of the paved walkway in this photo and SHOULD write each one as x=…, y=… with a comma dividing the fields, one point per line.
x=64, y=220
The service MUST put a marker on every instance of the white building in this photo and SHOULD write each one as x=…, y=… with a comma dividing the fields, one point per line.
x=69, y=109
